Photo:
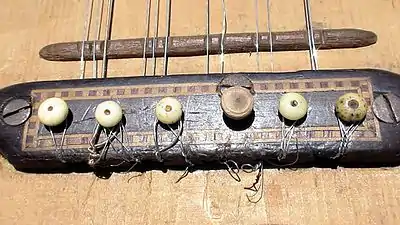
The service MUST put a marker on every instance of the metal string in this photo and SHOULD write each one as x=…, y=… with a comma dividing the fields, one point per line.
x=104, y=151
x=62, y=138
x=53, y=137
x=233, y=170
x=64, y=133
x=85, y=113
x=190, y=164
x=343, y=139
x=124, y=149
x=346, y=135
x=259, y=180
x=286, y=137
x=257, y=35
x=99, y=19
x=155, y=138
x=155, y=37
x=313, y=56
x=103, y=146
x=94, y=139
x=168, y=27
x=147, y=36
x=270, y=34
x=310, y=34
x=208, y=36
x=86, y=28
x=224, y=28
x=99, y=148
x=110, y=9
x=181, y=145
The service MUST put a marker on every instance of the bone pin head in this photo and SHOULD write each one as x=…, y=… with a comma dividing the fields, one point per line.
x=293, y=106
x=237, y=102
x=108, y=114
x=351, y=107
x=53, y=111
x=169, y=110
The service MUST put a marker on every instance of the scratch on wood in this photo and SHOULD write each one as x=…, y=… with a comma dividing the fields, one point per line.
x=238, y=206
x=206, y=206
x=150, y=181
x=85, y=201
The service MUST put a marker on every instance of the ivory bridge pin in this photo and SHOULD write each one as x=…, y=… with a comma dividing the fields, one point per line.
x=108, y=114
x=53, y=111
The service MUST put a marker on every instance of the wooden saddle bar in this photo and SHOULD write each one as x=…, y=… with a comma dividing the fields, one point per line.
x=185, y=46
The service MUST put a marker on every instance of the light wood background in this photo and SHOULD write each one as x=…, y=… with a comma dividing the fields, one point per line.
x=309, y=196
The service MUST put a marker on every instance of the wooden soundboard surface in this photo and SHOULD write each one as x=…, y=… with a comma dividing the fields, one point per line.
x=310, y=196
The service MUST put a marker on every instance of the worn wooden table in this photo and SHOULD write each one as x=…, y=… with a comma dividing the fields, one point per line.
x=310, y=196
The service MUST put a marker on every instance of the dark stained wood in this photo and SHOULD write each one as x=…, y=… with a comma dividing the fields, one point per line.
x=209, y=139
x=196, y=45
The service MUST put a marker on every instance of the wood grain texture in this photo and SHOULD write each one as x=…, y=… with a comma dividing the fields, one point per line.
x=312, y=196
x=185, y=46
